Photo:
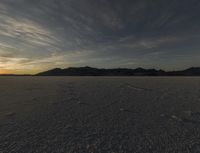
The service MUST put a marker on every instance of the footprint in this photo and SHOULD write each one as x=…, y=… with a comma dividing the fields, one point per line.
x=136, y=88
x=82, y=103
x=10, y=114
x=125, y=110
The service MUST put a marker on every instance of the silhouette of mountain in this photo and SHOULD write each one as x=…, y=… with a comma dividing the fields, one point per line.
x=193, y=71
x=90, y=71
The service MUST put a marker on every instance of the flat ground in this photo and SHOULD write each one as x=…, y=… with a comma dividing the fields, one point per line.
x=99, y=114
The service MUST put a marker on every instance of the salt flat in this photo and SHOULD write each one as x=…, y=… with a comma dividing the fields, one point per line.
x=99, y=114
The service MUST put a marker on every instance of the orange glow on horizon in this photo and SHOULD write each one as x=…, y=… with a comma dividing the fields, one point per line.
x=3, y=71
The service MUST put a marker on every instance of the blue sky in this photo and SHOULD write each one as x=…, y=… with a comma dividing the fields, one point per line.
x=43, y=34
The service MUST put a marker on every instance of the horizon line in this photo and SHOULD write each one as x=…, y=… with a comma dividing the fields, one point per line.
x=33, y=74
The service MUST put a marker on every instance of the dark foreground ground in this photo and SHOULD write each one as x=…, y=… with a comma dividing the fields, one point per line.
x=99, y=115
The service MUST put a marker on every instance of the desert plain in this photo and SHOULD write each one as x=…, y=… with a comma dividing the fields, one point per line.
x=99, y=114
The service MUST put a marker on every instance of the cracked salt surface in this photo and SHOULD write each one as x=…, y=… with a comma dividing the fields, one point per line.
x=99, y=114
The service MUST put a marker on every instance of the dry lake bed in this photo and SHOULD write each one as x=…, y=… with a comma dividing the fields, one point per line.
x=99, y=115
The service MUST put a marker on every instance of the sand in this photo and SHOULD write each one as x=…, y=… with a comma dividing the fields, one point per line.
x=99, y=114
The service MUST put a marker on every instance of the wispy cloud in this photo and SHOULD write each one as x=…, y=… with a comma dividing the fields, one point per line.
x=52, y=33
x=26, y=30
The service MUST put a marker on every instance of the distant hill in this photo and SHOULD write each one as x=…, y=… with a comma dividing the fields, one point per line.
x=90, y=71
x=193, y=71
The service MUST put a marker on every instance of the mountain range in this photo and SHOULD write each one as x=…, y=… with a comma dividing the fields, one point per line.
x=90, y=71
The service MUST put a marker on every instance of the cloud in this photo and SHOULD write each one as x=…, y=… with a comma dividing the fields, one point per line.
x=55, y=33
x=26, y=31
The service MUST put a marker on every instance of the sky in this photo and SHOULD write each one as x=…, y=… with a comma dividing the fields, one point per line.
x=37, y=35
